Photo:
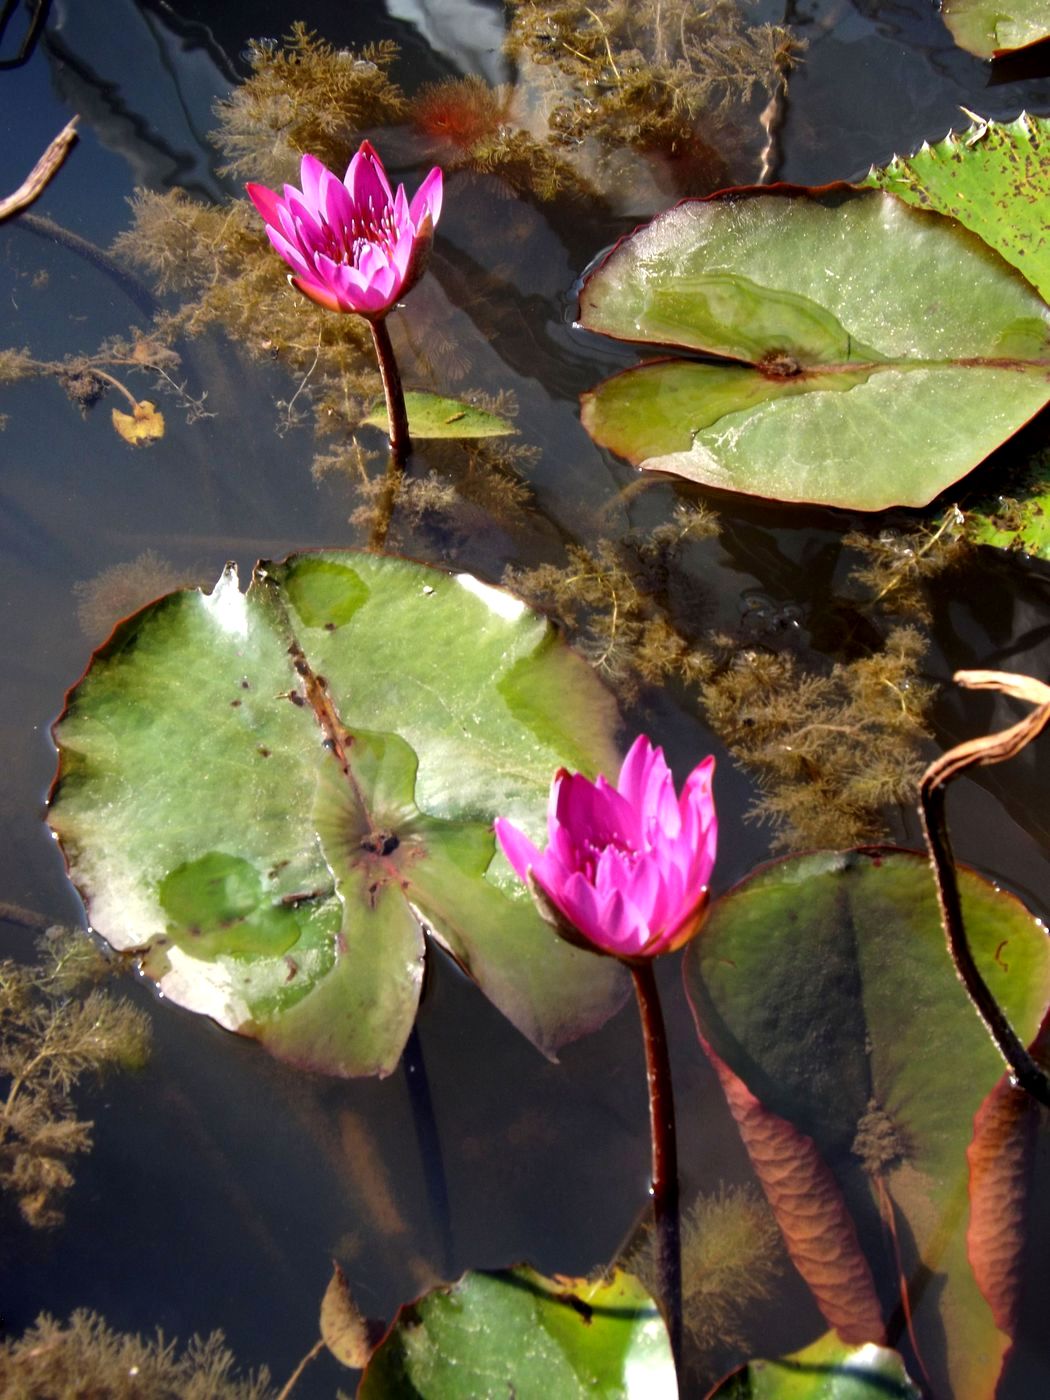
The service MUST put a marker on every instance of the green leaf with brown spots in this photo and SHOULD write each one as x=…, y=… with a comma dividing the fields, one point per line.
x=517, y=1333
x=871, y=354
x=994, y=177
x=272, y=796
x=823, y=983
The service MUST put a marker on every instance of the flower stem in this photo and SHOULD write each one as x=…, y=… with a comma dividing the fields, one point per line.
x=664, y=1185
x=397, y=416
x=1026, y=1072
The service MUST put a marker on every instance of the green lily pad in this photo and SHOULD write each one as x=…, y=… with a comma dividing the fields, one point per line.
x=824, y=984
x=989, y=28
x=828, y=1369
x=270, y=796
x=431, y=416
x=881, y=353
x=994, y=177
x=519, y=1333
x=1020, y=520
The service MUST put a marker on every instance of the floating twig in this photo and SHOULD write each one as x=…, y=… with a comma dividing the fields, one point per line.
x=41, y=175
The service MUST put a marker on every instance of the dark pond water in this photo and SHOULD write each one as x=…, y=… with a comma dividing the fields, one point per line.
x=221, y=1183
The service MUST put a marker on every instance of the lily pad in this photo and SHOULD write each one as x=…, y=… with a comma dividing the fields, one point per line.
x=828, y=1369
x=994, y=177
x=989, y=28
x=881, y=352
x=431, y=416
x=270, y=796
x=519, y=1333
x=824, y=985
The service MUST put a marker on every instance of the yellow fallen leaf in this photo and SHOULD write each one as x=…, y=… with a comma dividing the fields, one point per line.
x=141, y=427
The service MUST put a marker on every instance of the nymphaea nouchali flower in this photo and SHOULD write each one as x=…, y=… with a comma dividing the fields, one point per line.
x=626, y=867
x=352, y=244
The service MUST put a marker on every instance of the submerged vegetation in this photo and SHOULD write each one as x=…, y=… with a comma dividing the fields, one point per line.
x=85, y=1357
x=832, y=750
x=732, y=1258
x=831, y=746
x=648, y=75
x=51, y=1037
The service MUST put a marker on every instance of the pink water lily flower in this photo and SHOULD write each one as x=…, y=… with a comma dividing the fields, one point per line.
x=626, y=867
x=352, y=245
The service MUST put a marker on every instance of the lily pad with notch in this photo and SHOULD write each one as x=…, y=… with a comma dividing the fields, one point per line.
x=270, y=797
x=871, y=354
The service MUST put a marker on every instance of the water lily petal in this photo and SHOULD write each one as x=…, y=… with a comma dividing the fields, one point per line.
x=578, y=901
x=322, y=295
x=311, y=176
x=307, y=220
x=517, y=847
x=266, y=201
x=646, y=889
x=595, y=814
x=366, y=182
x=428, y=198
x=401, y=255
x=291, y=254
x=632, y=784
x=400, y=212
x=623, y=931
x=338, y=210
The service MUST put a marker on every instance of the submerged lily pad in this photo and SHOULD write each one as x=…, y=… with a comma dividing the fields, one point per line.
x=269, y=796
x=431, y=416
x=994, y=177
x=1018, y=521
x=823, y=983
x=881, y=352
x=828, y=1369
x=519, y=1333
x=989, y=28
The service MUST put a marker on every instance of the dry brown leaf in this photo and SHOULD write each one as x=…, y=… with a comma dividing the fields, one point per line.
x=345, y=1332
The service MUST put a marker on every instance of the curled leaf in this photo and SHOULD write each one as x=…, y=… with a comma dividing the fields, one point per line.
x=346, y=1334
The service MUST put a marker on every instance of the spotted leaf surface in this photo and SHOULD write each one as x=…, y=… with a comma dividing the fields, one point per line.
x=994, y=177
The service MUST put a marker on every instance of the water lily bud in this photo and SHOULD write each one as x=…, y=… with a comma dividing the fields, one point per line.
x=352, y=245
x=626, y=868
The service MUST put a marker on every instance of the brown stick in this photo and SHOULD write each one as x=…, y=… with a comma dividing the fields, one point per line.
x=293, y=1380
x=993, y=748
x=33, y=186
